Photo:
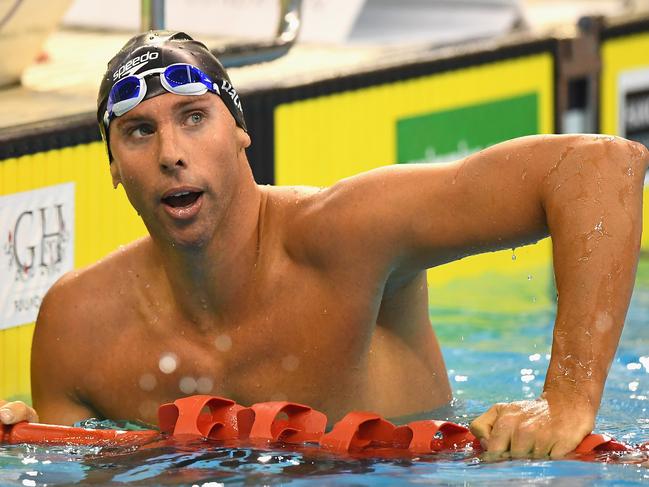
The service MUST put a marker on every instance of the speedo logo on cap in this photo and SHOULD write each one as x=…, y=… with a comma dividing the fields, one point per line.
x=134, y=64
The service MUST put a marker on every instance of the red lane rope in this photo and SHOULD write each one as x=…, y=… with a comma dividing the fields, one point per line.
x=65, y=435
x=218, y=418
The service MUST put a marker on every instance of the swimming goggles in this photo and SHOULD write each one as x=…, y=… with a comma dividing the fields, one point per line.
x=179, y=78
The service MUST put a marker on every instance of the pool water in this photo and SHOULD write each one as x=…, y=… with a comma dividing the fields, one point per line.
x=491, y=358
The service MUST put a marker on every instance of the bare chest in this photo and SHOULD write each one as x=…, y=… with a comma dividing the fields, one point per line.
x=290, y=344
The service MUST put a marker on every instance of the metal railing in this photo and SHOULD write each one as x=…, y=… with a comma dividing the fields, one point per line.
x=240, y=54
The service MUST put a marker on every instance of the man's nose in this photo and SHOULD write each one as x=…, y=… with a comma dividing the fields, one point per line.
x=170, y=154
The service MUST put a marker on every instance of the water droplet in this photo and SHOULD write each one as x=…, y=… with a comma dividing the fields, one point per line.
x=603, y=322
x=290, y=363
x=147, y=382
x=530, y=277
x=168, y=362
x=513, y=254
x=187, y=385
x=264, y=458
x=527, y=378
x=148, y=408
x=223, y=342
x=204, y=385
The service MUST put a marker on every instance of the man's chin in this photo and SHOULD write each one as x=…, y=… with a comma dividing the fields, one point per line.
x=188, y=242
x=192, y=235
x=182, y=239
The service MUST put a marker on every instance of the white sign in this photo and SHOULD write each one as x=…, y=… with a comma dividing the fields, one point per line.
x=36, y=248
x=329, y=21
x=245, y=18
x=633, y=103
x=322, y=20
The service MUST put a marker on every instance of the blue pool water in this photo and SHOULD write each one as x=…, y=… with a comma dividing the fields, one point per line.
x=490, y=357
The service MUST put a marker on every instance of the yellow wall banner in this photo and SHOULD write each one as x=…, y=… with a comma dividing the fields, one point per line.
x=77, y=180
x=319, y=141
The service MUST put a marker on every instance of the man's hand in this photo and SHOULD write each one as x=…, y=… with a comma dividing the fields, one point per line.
x=15, y=412
x=539, y=428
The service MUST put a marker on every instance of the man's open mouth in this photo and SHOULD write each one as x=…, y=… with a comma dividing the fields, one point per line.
x=182, y=199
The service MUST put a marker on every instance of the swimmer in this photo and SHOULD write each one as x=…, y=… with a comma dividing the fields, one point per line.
x=262, y=293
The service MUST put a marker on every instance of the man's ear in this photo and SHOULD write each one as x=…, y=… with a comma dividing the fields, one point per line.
x=114, y=173
x=243, y=138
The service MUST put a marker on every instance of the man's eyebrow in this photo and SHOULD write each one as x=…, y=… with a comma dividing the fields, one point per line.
x=180, y=104
x=126, y=120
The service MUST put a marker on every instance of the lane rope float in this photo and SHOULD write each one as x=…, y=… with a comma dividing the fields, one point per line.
x=218, y=418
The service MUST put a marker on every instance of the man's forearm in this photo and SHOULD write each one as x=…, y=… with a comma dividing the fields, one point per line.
x=593, y=204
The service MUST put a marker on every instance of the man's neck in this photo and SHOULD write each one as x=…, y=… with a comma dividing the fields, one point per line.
x=209, y=281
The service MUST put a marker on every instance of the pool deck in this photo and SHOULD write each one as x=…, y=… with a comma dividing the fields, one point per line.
x=65, y=81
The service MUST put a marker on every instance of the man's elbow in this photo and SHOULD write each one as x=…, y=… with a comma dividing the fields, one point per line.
x=601, y=162
x=622, y=157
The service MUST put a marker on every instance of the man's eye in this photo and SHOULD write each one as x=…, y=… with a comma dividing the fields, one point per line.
x=195, y=117
x=141, y=130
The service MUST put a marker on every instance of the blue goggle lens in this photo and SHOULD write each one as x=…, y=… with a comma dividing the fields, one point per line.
x=178, y=75
x=125, y=89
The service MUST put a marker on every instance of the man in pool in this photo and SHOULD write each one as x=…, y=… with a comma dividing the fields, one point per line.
x=319, y=296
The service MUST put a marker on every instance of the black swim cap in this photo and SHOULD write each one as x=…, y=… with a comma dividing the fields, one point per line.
x=159, y=49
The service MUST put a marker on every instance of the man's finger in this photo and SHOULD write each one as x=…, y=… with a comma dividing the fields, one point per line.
x=543, y=447
x=561, y=448
x=522, y=442
x=501, y=434
x=14, y=412
x=481, y=426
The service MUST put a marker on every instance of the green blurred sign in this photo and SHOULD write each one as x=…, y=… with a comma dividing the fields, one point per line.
x=453, y=134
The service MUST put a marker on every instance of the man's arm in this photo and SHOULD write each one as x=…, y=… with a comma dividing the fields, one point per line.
x=51, y=369
x=586, y=191
x=594, y=211
x=57, y=358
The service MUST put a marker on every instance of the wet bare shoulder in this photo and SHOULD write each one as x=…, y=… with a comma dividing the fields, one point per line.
x=286, y=206
x=96, y=292
x=77, y=321
x=314, y=226
x=289, y=216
